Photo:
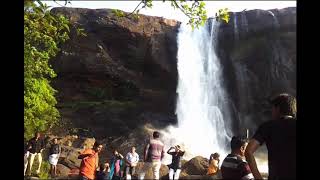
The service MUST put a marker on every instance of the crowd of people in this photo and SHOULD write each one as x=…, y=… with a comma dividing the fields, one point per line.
x=279, y=135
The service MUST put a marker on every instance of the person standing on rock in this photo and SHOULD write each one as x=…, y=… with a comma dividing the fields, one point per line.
x=89, y=162
x=132, y=159
x=280, y=138
x=213, y=164
x=35, y=146
x=54, y=154
x=116, y=165
x=234, y=166
x=153, y=155
x=175, y=166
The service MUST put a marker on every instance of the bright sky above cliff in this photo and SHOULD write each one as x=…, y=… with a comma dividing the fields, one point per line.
x=165, y=10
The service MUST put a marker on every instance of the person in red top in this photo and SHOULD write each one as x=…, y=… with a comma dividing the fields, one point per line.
x=89, y=162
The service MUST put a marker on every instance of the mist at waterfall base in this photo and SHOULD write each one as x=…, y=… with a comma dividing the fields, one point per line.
x=204, y=125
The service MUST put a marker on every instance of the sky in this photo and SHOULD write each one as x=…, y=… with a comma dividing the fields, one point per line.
x=165, y=10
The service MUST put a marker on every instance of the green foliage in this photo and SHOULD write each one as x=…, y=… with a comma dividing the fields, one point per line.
x=45, y=170
x=223, y=14
x=196, y=13
x=136, y=16
x=118, y=13
x=43, y=33
x=148, y=3
x=80, y=32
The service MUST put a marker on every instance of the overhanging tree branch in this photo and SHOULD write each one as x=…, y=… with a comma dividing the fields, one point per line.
x=181, y=9
x=135, y=9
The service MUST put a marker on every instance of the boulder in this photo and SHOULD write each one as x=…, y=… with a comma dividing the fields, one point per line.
x=88, y=143
x=69, y=157
x=196, y=166
x=62, y=170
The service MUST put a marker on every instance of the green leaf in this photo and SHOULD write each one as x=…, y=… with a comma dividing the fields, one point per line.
x=192, y=26
x=66, y=26
x=202, y=5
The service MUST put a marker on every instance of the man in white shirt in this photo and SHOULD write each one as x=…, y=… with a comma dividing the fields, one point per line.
x=132, y=159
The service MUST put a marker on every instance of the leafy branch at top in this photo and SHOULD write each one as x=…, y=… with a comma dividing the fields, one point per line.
x=196, y=11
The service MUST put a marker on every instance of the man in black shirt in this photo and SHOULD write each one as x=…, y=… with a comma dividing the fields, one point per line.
x=35, y=147
x=234, y=166
x=280, y=138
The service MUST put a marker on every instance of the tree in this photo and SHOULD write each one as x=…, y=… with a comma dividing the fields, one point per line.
x=43, y=33
x=193, y=9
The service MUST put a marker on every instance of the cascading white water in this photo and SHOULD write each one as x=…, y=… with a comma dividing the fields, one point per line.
x=244, y=22
x=275, y=20
x=235, y=25
x=202, y=103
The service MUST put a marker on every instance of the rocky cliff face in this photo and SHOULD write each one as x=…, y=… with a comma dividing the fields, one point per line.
x=258, y=52
x=123, y=73
x=120, y=75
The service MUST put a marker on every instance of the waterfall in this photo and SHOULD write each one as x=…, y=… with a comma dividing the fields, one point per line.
x=244, y=94
x=235, y=25
x=202, y=105
x=244, y=22
x=204, y=122
x=275, y=20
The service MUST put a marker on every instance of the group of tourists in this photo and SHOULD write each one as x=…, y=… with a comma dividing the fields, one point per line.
x=279, y=135
x=125, y=167
x=34, y=149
